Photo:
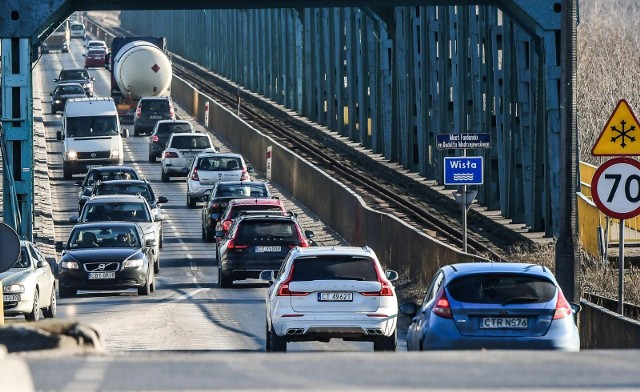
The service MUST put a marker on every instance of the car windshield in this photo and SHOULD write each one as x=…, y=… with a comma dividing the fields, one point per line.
x=107, y=188
x=219, y=163
x=66, y=90
x=73, y=74
x=240, y=190
x=23, y=259
x=261, y=229
x=334, y=267
x=501, y=289
x=92, y=126
x=115, y=211
x=107, y=237
x=96, y=175
x=190, y=142
x=166, y=129
x=155, y=105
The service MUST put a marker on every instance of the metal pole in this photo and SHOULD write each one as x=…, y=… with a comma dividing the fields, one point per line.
x=238, y=101
x=621, y=269
x=464, y=212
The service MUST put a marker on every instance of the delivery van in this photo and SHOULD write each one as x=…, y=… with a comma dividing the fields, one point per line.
x=91, y=134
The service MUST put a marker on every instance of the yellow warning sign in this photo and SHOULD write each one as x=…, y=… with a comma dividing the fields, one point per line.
x=621, y=135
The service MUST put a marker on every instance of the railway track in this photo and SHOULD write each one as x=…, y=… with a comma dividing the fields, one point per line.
x=383, y=188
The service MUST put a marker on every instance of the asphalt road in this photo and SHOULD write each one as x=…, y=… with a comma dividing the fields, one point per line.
x=192, y=335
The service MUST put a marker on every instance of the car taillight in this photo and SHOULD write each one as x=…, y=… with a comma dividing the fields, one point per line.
x=155, y=138
x=385, y=286
x=170, y=154
x=442, y=307
x=171, y=113
x=138, y=112
x=284, y=291
x=563, y=309
x=232, y=245
x=194, y=176
x=245, y=175
x=226, y=225
x=303, y=242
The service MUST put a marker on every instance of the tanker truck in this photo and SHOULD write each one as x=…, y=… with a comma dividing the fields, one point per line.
x=139, y=68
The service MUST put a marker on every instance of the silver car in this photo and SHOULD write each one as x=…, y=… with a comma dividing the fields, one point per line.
x=182, y=149
x=29, y=286
x=209, y=168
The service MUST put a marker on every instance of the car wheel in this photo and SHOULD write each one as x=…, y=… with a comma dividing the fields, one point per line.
x=267, y=336
x=66, y=171
x=156, y=265
x=52, y=310
x=146, y=289
x=34, y=315
x=208, y=236
x=66, y=292
x=191, y=202
x=164, y=176
x=53, y=110
x=136, y=131
x=386, y=343
x=161, y=240
x=276, y=343
x=152, y=158
x=203, y=232
x=223, y=280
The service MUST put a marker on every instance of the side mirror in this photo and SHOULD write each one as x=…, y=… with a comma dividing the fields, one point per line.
x=575, y=308
x=391, y=275
x=149, y=242
x=41, y=264
x=250, y=169
x=59, y=135
x=409, y=308
x=309, y=234
x=92, y=78
x=267, y=275
x=124, y=133
x=56, y=80
x=78, y=183
x=220, y=233
x=158, y=218
x=59, y=246
x=51, y=94
x=74, y=219
x=162, y=199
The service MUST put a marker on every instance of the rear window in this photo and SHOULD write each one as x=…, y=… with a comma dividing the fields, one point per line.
x=258, y=229
x=220, y=163
x=236, y=211
x=107, y=188
x=502, y=288
x=337, y=267
x=241, y=190
x=77, y=27
x=167, y=129
x=155, y=105
x=189, y=142
x=96, y=175
x=115, y=211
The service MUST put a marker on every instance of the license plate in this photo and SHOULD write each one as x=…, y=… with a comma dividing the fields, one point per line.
x=11, y=298
x=335, y=297
x=102, y=275
x=504, y=323
x=262, y=249
x=155, y=117
x=89, y=167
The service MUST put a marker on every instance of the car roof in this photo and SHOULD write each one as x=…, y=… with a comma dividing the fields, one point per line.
x=113, y=168
x=116, y=198
x=103, y=224
x=74, y=69
x=136, y=182
x=219, y=154
x=191, y=134
x=332, y=250
x=256, y=201
x=174, y=121
x=241, y=183
x=460, y=269
x=64, y=84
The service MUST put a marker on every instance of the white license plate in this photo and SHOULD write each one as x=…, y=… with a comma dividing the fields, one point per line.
x=155, y=117
x=504, y=323
x=262, y=249
x=89, y=167
x=102, y=275
x=11, y=298
x=335, y=297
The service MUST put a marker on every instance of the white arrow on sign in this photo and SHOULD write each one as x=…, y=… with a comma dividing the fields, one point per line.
x=615, y=188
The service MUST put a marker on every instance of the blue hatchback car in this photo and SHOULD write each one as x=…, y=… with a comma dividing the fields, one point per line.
x=501, y=306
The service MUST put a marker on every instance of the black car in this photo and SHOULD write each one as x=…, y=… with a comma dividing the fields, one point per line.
x=77, y=75
x=102, y=173
x=256, y=242
x=219, y=197
x=161, y=133
x=130, y=187
x=149, y=111
x=64, y=91
x=106, y=256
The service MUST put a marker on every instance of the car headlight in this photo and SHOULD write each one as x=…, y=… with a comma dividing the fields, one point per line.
x=71, y=155
x=69, y=265
x=13, y=288
x=136, y=262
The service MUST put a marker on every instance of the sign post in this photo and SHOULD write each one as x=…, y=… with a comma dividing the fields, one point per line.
x=206, y=114
x=269, y=152
x=616, y=184
x=463, y=170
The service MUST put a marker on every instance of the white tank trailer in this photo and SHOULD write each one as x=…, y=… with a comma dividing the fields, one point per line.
x=142, y=69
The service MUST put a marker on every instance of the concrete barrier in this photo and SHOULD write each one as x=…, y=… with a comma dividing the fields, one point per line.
x=399, y=246
x=601, y=328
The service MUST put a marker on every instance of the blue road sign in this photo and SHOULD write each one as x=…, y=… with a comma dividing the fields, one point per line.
x=463, y=171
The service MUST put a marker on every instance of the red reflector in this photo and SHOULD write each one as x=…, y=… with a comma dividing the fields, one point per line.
x=377, y=315
x=563, y=309
x=194, y=176
x=155, y=138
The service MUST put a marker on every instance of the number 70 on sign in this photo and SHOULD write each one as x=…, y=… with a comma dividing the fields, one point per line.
x=615, y=188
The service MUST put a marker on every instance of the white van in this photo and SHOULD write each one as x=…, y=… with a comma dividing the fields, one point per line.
x=91, y=134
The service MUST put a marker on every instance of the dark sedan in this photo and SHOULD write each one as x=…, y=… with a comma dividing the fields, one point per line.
x=102, y=173
x=219, y=197
x=106, y=256
x=64, y=91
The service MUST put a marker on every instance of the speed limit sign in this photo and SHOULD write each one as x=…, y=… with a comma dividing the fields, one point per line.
x=615, y=188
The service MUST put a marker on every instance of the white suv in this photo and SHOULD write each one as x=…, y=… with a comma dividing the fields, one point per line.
x=329, y=292
x=182, y=149
x=209, y=168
